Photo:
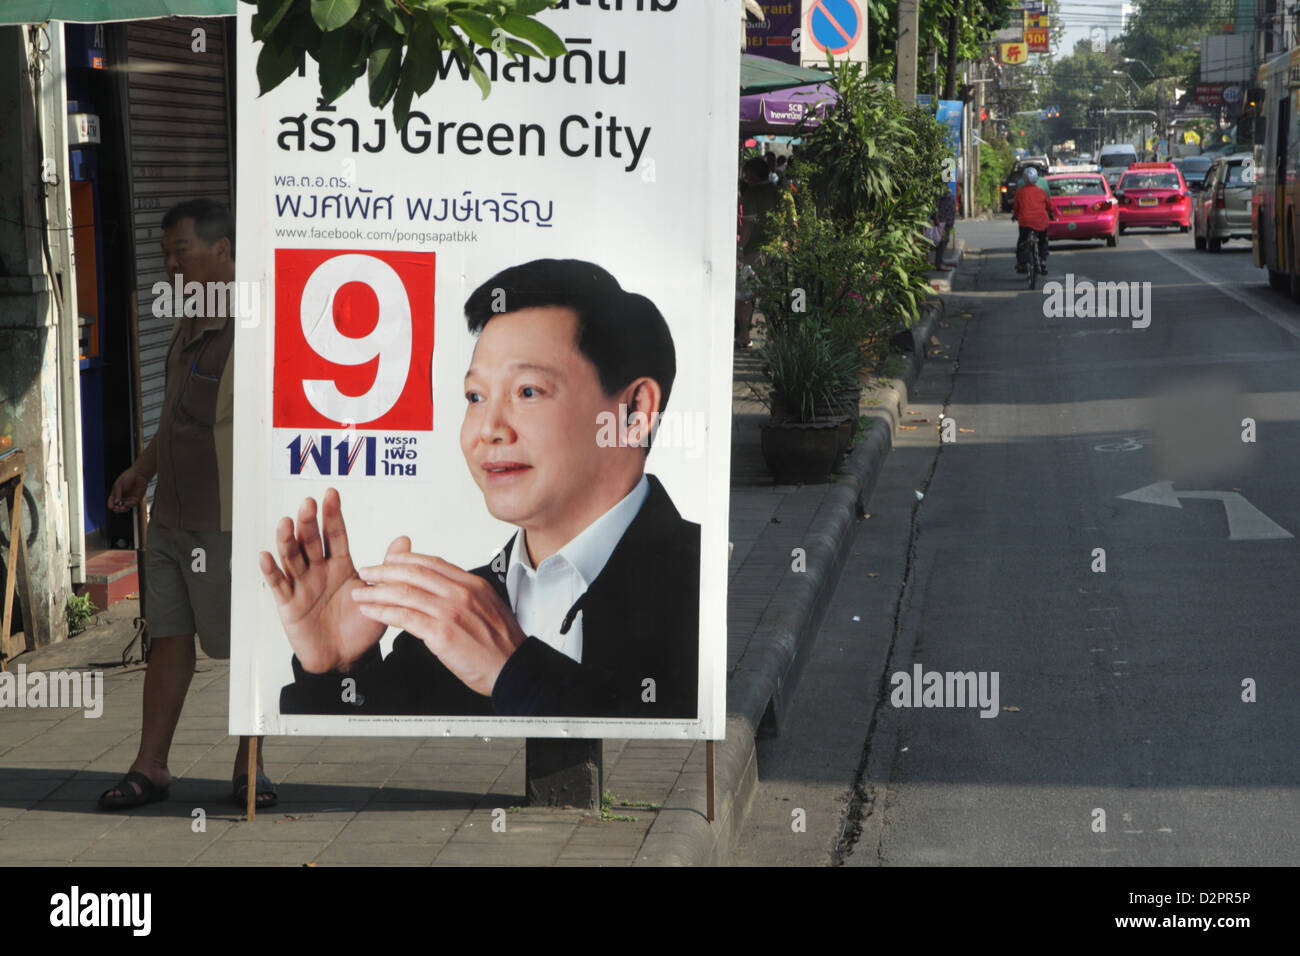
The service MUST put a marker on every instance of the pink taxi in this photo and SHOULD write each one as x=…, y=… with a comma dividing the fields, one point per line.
x=1085, y=207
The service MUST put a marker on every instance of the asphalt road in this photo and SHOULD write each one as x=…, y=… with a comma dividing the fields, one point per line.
x=1119, y=734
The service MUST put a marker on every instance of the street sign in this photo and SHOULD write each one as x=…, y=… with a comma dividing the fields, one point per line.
x=1209, y=94
x=1014, y=53
x=777, y=35
x=834, y=26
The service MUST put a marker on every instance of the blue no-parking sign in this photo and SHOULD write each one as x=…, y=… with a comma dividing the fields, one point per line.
x=834, y=26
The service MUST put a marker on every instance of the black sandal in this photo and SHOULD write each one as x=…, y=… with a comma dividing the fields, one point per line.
x=265, y=787
x=126, y=797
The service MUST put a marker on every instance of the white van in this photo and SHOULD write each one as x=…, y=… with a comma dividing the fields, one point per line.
x=1114, y=159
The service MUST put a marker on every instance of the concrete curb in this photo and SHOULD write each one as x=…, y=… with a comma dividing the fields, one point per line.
x=759, y=692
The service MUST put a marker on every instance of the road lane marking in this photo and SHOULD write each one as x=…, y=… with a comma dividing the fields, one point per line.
x=1277, y=316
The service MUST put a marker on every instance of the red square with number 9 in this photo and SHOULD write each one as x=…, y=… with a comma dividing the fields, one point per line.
x=353, y=339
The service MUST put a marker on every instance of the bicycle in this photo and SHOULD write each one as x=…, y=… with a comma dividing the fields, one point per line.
x=1035, y=265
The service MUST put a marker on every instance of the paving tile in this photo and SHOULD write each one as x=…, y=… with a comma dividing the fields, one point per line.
x=385, y=750
x=158, y=852
x=374, y=773
x=432, y=826
x=288, y=829
x=478, y=777
x=453, y=795
x=590, y=862
x=618, y=854
x=61, y=824
x=299, y=796
x=390, y=854
x=38, y=769
x=37, y=849
x=28, y=788
x=552, y=835
x=462, y=854
x=259, y=851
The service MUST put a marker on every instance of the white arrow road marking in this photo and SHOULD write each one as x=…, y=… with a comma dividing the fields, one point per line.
x=1245, y=521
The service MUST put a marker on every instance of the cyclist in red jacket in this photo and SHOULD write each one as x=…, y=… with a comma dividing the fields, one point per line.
x=1033, y=211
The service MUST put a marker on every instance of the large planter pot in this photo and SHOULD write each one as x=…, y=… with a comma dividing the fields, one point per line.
x=801, y=453
x=850, y=399
x=845, y=403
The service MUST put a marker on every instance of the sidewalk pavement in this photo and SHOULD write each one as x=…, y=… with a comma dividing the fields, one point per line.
x=441, y=801
x=952, y=256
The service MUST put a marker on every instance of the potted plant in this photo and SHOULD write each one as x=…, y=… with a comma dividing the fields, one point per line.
x=805, y=374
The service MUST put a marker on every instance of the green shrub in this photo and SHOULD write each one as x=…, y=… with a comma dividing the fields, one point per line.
x=80, y=610
x=996, y=160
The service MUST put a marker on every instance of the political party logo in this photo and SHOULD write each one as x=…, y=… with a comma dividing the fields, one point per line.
x=322, y=455
x=353, y=340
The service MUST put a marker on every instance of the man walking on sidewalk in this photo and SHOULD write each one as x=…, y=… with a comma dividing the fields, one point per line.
x=187, y=556
x=945, y=217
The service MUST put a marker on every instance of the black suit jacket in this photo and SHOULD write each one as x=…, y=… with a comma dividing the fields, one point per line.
x=640, y=619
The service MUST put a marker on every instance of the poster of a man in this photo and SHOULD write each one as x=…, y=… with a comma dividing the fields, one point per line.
x=482, y=437
x=591, y=609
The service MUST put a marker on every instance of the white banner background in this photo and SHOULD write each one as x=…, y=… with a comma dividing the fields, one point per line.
x=664, y=229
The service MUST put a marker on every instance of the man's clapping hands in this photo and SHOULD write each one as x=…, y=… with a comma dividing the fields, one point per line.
x=332, y=614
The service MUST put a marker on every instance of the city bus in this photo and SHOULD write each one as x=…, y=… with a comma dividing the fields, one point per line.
x=1274, y=107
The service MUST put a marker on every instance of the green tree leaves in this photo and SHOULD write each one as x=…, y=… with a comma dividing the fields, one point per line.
x=538, y=34
x=397, y=44
x=332, y=14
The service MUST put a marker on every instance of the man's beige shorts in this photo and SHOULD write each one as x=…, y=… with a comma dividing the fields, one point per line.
x=187, y=581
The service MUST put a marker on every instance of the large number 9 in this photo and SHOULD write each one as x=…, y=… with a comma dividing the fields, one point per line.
x=390, y=339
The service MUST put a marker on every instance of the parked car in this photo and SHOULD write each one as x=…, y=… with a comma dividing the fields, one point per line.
x=1222, y=210
x=1017, y=176
x=1194, y=169
x=1085, y=207
x=1114, y=158
x=1154, y=194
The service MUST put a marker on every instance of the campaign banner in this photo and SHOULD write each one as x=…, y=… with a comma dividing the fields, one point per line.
x=949, y=113
x=777, y=35
x=483, y=419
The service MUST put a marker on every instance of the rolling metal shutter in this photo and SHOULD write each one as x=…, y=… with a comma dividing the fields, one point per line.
x=179, y=144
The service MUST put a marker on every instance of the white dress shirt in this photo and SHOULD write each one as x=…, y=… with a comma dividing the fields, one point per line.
x=541, y=597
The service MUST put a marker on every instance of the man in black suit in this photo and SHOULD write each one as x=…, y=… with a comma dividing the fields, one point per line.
x=591, y=610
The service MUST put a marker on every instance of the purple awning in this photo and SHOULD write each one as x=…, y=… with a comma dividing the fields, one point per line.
x=784, y=110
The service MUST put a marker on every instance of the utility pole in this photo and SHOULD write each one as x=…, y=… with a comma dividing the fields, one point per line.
x=909, y=25
x=1160, y=114
x=977, y=126
x=950, y=78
